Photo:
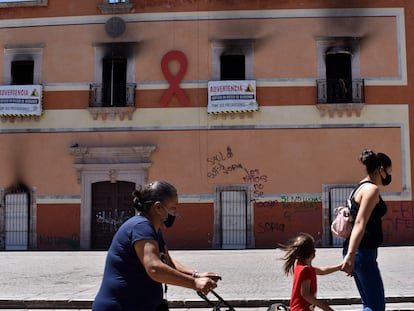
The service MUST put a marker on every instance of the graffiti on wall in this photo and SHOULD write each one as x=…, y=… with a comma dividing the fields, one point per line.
x=404, y=216
x=399, y=220
x=220, y=163
x=296, y=202
x=258, y=180
x=111, y=221
x=283, y=209
x=300, y=202
x=288, y=205
x=270, y=227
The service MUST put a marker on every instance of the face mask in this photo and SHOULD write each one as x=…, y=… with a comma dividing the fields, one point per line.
x=170, y=218
x=387, y=180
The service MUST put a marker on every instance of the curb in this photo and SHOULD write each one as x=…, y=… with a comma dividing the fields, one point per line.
x=180, y=304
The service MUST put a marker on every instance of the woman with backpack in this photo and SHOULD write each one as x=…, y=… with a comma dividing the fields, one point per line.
x=361, y=248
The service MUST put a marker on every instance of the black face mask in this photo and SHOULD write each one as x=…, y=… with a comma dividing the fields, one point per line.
x=170, y=218
x=387, y=180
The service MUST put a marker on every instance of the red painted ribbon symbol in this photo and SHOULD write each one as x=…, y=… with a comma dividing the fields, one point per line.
x=174, y=81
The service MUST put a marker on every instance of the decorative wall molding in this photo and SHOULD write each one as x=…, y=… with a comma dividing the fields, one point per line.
x=110, y=159
x=97, y=164
x=112, y=112
x=340, y=109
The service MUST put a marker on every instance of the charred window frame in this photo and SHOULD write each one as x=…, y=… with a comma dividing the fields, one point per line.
x=114, y=84
x=339, y=80
x=22, y=65
x=232, y=59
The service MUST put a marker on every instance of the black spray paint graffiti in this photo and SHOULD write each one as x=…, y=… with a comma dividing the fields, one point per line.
x=270, y=227
x=253, y=176
x=258, y=180
x=267, y=204
x=400, y=220
x=218, y=165
x=404, y=217
x=290, y=205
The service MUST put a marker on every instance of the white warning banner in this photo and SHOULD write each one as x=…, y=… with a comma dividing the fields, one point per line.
x=232, y=96
x=20, y=100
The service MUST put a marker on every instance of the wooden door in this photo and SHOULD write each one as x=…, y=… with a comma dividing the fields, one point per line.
x=111, y=206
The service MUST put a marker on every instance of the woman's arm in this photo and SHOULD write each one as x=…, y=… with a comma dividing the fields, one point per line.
x=369, y=198
x=310, y=298
x=180, y=267
x=148, y=253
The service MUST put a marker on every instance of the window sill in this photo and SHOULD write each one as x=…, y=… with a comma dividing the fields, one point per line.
x=113, y=8
x=232, y=115
x=12, y=3
x=112, y=112
x=340, y=109
x=12, y=119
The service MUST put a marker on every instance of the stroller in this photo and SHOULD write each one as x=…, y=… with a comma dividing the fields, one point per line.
x=222, y=303
x=216, y=304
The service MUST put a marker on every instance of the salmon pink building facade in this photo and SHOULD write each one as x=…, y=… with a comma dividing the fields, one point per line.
x=257, y=111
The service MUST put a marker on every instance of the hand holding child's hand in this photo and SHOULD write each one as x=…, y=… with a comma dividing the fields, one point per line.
x=348, y=264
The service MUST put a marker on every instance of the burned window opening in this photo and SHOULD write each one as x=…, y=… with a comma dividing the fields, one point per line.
x=114, y=71
x=22, y=72
x=232, y=67
x=114, y=85
x=339, y=77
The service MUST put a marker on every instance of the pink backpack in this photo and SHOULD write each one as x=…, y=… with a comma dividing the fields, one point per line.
x=341, y=226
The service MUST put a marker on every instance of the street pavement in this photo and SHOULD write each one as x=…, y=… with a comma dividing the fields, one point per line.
x=251, y=279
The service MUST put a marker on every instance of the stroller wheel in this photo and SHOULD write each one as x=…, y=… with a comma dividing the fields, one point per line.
x=278, y=307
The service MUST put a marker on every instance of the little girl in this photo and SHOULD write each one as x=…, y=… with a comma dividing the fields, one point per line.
x=300, y=252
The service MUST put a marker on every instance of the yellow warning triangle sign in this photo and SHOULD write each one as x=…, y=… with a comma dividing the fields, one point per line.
x=35, y=93
x=249, y=88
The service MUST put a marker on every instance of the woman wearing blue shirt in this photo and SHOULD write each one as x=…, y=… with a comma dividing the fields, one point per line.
x=138, y=261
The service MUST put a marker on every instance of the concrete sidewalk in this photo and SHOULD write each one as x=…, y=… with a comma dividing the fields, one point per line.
x=252, y=279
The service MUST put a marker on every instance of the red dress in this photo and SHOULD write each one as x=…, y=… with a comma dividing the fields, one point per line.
x=300, y=274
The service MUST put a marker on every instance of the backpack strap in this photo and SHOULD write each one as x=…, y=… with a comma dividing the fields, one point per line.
x=359, y=187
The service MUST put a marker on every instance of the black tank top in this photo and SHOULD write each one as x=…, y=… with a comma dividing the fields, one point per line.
x=373, y=236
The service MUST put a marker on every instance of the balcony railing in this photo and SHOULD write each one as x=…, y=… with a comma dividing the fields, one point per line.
x=118, y=96
x=113, y=7
x=340, y=91
x=115, y=102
